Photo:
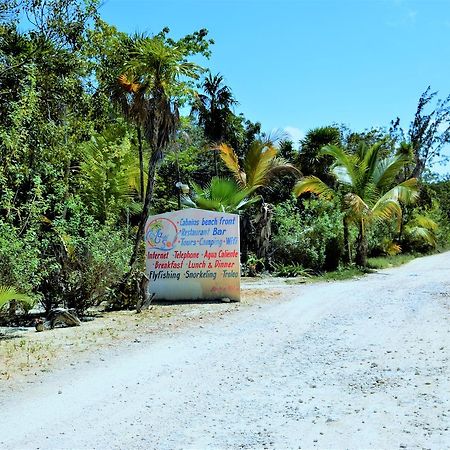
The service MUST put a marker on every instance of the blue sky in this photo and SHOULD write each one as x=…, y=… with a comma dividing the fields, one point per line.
x=299, y=64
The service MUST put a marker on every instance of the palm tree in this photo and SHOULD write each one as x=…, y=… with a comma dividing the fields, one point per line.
x=213, y=110
x=160, y=74
x=367, y=188
x=261, y=163
x=128, y=94
x=310, y=160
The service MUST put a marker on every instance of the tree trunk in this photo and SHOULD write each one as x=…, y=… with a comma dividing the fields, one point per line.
x=418, y=168
x=361, y=246
x=347, y=253
x=216, y=169
x=245, y=231
x=263, y=227
x=141, y=162
x=144, y=214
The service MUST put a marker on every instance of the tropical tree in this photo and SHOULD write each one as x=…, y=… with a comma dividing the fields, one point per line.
x=310, y=160
x=428, y=133
x=213, y=110
x=367, y=187
x=261, y=163
x=160, y=71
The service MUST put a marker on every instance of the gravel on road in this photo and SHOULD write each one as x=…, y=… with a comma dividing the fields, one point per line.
x=347, y=365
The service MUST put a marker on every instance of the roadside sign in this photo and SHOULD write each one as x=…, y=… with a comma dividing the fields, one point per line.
x=193, y=254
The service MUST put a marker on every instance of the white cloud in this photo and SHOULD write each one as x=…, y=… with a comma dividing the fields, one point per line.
x=294, y=133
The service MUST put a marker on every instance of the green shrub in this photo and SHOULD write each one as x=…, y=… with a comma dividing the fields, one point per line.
x=311, y=237
x=86, y=260
x=19, y=258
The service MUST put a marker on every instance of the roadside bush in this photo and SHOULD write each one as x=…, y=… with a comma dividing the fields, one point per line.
x=86, y=260
x=381, y=238
x=311, y=237
x=19, y=258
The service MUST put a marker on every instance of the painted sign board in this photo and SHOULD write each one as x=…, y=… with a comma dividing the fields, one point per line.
x=193, y=254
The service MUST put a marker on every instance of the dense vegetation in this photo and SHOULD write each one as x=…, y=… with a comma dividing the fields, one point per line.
x=92, y=141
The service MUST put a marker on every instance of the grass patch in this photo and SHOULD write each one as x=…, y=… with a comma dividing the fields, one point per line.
x=385, y=262
x=344, y=273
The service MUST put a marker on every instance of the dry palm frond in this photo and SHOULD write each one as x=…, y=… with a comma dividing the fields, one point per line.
x=230, y=159
x=356, y=205
x=313, y=185
x=128, y=85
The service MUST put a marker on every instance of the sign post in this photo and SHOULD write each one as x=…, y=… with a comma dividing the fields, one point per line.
x=193, y=254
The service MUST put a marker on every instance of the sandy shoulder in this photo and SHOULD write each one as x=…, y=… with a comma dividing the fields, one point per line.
x=26, y=355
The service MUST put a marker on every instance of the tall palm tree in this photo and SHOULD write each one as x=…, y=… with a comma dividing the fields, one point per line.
x=367, y=187
x=213, y=109
x=129, y=95
x=160, y=73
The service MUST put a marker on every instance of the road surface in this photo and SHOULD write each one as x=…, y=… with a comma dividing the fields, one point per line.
x=348, y=365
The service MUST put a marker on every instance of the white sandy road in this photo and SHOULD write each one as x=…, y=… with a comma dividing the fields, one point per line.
x=356, y=364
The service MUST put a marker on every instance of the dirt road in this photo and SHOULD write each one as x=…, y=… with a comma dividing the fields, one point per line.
x=355, y=364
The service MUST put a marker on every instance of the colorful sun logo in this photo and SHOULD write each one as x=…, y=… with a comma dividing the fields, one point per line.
x=161, y=234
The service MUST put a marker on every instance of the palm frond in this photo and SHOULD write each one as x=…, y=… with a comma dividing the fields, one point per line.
x=279, y=165
x=426, y=222
x=421, y=234
x=342, y=159
x=313, y=185
x=221, y=195
x=356, y=205
x=257, y=163
x=9, y=293
x=230, y=159
x=342, y=175
x=406, y=192
x=388, y=169
x=370, y=158
x=387, y=209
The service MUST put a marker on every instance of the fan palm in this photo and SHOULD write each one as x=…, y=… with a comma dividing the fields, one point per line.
x=368, y=187
x=221, y=195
